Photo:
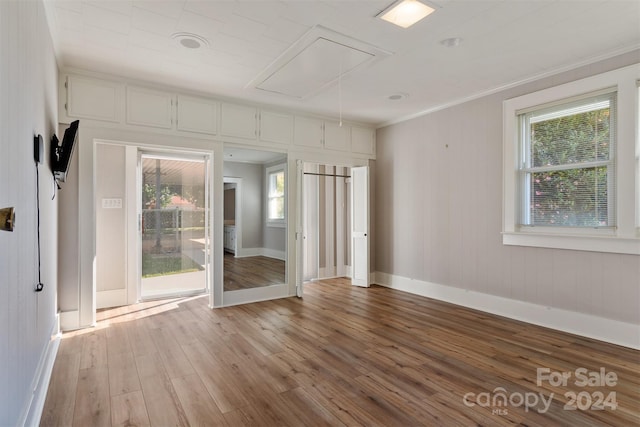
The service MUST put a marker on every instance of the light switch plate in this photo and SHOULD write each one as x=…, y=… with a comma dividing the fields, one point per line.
x=112, y=203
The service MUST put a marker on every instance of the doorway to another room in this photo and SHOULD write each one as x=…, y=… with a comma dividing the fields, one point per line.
x=334, y=224
x=255, y=225
x=327, y=211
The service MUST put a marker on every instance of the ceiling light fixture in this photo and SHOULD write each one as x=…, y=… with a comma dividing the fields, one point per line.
x=398, y=96
x=451, y=42
x=405, y=13
x=190, y=40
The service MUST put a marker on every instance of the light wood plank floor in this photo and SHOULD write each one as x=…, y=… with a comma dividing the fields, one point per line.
x=340, y=356
x=252, y=272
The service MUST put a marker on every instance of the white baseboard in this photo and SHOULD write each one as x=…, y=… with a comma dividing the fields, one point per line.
x=333, y=272
x=248, y=252
x=244, y=296
x=326, y=273
x=69, y=320
x=269, y=253
x=608, y=330
x=272, y=253
x=32, y=412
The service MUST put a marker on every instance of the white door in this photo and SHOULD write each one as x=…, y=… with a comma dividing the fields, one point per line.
x=299, y=228
x=360, y=226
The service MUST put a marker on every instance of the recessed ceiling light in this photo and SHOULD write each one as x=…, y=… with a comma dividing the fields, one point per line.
x=451, y=42
x=405, y=13
x=397, y=96
x=190, y=40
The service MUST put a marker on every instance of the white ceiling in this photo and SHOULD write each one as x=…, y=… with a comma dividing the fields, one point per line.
x=504, y=41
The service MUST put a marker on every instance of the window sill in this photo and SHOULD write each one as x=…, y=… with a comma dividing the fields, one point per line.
x=591, y=243
x=276, y=224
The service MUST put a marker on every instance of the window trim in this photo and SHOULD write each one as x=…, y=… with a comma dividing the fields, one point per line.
x=625, y=237
x=268, y=172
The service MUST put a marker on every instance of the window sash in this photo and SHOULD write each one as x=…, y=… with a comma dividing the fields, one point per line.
x=276, y=197
x=584, y=104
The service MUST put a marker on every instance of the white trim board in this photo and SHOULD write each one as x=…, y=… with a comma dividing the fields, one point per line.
x=266, y=252
x=244, y=296
x=608, y=330
x=32, y=412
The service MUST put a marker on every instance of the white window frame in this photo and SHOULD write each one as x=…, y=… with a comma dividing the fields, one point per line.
x=280, y=222
x=625, y=237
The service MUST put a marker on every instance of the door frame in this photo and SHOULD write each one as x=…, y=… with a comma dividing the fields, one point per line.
x=238, y=220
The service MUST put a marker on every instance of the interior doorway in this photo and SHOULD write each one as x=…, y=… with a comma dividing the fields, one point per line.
x=174, y=225
x=255, y=225
x=332, y=223
x=327, y=221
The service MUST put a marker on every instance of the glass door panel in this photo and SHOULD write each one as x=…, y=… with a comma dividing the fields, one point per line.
x=173, y=224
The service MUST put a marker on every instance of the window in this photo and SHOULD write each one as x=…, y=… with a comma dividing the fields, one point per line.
x=276, y=195
x=567, y=173
x=570, y=172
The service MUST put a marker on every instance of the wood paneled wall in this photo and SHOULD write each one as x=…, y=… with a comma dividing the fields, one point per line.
x=439, y=214
x=28, y=106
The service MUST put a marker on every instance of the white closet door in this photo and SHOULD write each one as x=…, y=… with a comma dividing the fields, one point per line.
x=360, y=226
x=299, y=228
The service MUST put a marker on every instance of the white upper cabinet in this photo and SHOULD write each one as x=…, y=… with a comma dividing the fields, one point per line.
x=94, y=99
x=363, y=140
x=337, y=137
x=308, y=132
x=149, y=107
x=238, y=121
x=172, y=113
x=197, y=115
x=276, y=127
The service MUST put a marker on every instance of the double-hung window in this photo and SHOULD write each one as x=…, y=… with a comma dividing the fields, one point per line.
x=275, y=177
x=567, y=171
x=571, y=174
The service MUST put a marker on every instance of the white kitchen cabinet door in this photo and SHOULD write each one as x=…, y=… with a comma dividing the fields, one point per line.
x=308, y=132
x=197, y=115
x=147, y=107
x=238, y=121
x=362, y=140
x=337, y=137
x=276, y=127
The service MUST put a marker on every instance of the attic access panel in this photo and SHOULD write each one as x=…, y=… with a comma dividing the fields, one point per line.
x=314, y=63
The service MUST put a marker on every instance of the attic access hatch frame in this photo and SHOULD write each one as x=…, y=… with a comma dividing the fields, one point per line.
x=315, y=62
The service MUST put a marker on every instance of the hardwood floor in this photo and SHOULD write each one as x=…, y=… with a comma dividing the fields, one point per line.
x=252, y=272
x=339, y=356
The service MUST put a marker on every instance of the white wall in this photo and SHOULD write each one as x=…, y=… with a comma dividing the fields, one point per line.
x=111, y=231
x=68, y=266
x=439, y=218
x=28, y=106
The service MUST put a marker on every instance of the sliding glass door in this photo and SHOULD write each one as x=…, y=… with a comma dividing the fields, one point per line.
x=173, y=224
